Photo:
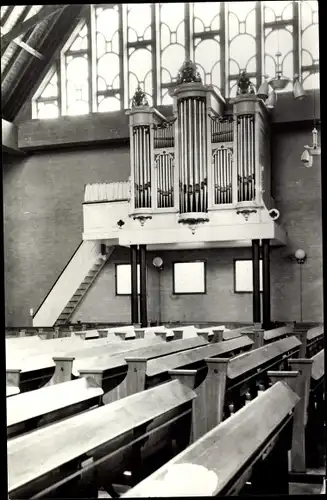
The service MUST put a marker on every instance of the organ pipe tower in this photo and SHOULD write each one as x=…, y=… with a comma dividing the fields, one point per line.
x=208, y=156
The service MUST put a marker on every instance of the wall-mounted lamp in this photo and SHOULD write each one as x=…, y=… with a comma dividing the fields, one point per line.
x=300, y=256
x=306, y=159
x=158, y=263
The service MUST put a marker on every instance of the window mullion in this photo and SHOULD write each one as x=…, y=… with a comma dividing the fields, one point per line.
x=126, y=96
x=260, y=43
x=223, y=48
x=92, y=61
x=155, y=53
x=188, y=37
x=296, y=40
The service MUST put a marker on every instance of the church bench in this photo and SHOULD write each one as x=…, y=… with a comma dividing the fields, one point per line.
x=112, y=439
x=144, y=372
x=114, y=375
x=314, y=340
x=87, y=334
x=309, y=431
x=250, y=446
x=187, y=332
x=277, y=333
x=225, y=385
x=227, y=334
x=212, y=333
x=58, y=345
x=55, y=366
x=43, y=406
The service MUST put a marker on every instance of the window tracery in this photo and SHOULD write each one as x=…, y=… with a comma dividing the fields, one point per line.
x=121, y=46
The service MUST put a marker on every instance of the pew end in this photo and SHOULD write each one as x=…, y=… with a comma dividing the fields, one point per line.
x=12, y=381
x=63, y=369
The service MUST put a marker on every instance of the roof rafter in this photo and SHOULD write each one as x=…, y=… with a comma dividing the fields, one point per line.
x=22, y=27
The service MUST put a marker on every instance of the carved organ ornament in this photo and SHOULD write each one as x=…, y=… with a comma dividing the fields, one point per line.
x=203, y=159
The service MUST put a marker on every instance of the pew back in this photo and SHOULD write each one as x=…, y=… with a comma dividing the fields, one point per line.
x=212, y=465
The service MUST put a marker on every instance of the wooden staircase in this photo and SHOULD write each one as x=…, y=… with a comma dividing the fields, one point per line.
x=82, y=289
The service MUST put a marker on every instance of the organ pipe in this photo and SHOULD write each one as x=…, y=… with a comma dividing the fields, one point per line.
x=142, y=167
x=192, y=157
x=245, y=156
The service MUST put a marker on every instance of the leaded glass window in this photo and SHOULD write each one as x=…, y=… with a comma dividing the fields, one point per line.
x=172, y=45
x=120, y=46
x=310, y=44
x=46, y=105
x=77, y=74
x=108, y=58
x=207, y=40
x=140, y=49
x=242, y=47
x=278, y=38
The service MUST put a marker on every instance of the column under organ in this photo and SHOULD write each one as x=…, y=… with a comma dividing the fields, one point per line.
x=207, y=156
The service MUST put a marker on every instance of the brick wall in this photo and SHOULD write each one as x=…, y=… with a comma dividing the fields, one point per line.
x=49, y=186
x=43, y=219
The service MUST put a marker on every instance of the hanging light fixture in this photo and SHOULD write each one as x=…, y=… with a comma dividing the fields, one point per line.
x=271, y=101
x=263, y=91
x=298, y=90
x=314, y=150
x=279, y=82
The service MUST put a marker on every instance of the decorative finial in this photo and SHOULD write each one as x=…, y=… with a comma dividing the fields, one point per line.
x=188, y=73
x=139, y=98
x=244, y=85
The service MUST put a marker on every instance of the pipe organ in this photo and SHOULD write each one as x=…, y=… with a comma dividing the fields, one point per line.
x=209, y=156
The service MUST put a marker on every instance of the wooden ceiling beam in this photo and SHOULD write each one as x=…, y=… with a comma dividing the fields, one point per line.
x=24, y=26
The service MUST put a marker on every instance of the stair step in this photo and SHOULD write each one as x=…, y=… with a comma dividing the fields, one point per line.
x=69, y=308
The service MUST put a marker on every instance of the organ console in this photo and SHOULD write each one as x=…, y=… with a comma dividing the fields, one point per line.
x=209, y=156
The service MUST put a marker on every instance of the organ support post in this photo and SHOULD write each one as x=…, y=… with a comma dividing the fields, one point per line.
x=205, y=158
x=256, y=281
x=266, y=283
x=134, y=287
x=143, y=287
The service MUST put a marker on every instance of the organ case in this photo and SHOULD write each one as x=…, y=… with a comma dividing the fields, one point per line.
x=205, y=158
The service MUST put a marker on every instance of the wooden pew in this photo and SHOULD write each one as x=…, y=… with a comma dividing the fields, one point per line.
x=113, y=438
x=43, y=406
x=54, y=367
x=232, y=334
x=212, y=334
x=87, y=334
x=309, y=431
x=228, y=384
x=314, y=340
x=277, y=333
x=250, y=445
x=114, y=374
x=144, y=372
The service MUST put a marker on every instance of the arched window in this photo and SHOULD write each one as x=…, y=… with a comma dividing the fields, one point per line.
x=120, y=46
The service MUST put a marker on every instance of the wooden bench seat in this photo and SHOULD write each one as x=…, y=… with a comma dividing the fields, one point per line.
x=318, y=367
x=39, y=460
x=228, y=383
x=307, y=450
x=56, y=366
x=315, y=341
x=277, y=333
x=144, y=372
x=114, y=374
x=226, y=457
x=43, y=406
